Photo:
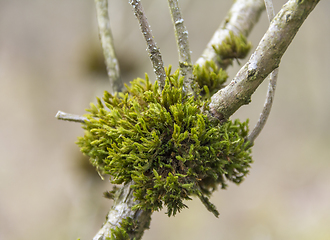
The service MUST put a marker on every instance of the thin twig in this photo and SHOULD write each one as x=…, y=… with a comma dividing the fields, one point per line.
x=154, y=52
x=270, y=9
x=70, y=117
x=108, y=46
x=271, y=88
x=181, y=35
x=267, y=107
x=241, y=18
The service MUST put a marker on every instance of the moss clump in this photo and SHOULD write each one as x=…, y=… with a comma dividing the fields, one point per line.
x=127, y=227
x=210, y=78
x=165, y=143
x=233, y=47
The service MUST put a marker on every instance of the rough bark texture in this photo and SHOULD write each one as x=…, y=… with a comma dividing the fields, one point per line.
x=153, y=50
x=121, y=209
x=264, y=60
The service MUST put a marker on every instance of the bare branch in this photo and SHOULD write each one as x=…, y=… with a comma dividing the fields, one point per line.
x=181, y=35
x=271, y=88
x=241, y=18
x=270, y=9
x=121, y=209
x=108, y=46
x=70, y=117
x=267, y=107
x=154, y=52
x=264, y=60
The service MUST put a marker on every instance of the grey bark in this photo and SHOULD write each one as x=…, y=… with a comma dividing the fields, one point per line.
x=70, y=117
x=153, y=50
x=181, y=36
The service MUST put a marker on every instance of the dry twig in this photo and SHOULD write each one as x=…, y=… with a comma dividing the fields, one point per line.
x=181, y=35
x=108, y=46
x=154, y=52
x=70, y=117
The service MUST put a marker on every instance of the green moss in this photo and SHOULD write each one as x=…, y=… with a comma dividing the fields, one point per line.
x=111, y=194
x=165, y=143
x=210, y=78
x=127, y=227
x=233, y=47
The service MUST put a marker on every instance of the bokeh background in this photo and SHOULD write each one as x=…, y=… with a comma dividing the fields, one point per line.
x=50, y=60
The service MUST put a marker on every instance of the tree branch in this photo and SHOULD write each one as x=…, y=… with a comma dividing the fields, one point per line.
x=264, y=60
x=241, y=18
x=181, y=35
x=121, y=209
x=154, y=52
x=108, y=46
x=271, y=88
x=70, y=117
x=267, y=107
x=270, y=9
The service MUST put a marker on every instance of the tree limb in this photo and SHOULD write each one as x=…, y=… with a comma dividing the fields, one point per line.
x=181, y=35
x=264, y=60
x=108, y=46
x=154, y=52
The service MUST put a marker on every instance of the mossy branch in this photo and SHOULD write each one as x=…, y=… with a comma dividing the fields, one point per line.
x=181, y=35
x=240, y=20
x=154, y=52
x=106, y=39
x=264, y=60
x=164, y=151
x=115, y=228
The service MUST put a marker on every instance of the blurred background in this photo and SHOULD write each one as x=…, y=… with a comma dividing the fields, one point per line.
x=51, y=59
